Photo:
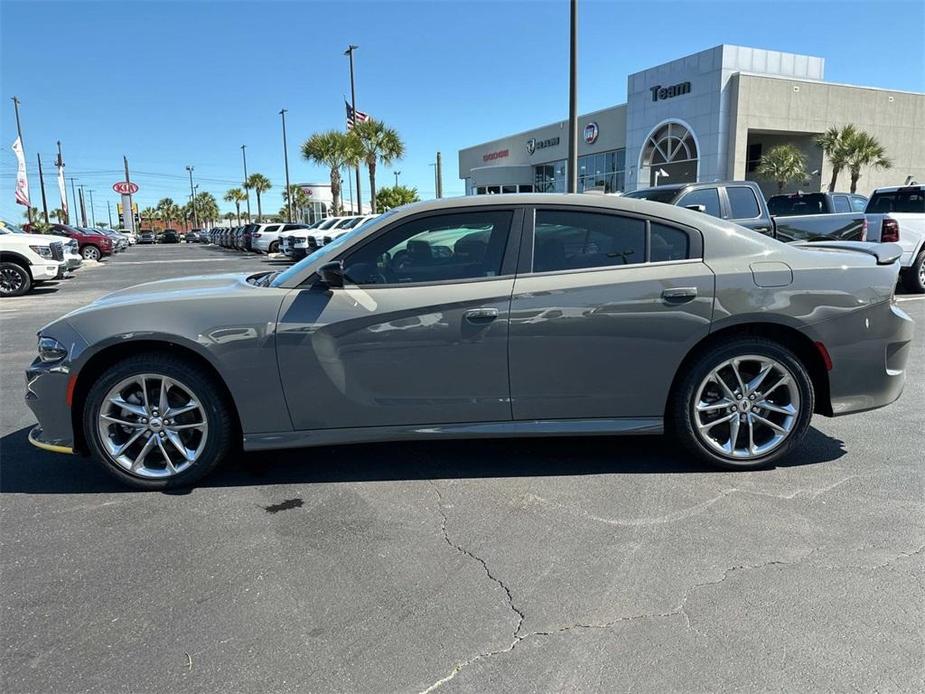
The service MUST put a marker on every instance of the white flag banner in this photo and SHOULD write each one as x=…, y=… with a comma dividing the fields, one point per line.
x=63, y=191
x=22, y=183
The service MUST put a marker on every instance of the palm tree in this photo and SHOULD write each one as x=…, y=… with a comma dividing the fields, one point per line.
x=259, y=184
x=783, y=164
x=150, y=214
x=333, y=149
x=169, y=211
x=300, y=200
x=237, y=196
x=60, y=215
x=378, y=143
x=865, y=150
x=834, y=144
x=206, y=207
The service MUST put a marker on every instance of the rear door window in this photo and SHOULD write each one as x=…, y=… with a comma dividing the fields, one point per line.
x=708, y=197
x=841, y=204
x=858, y=203
x=572, y=240
x=742, y=202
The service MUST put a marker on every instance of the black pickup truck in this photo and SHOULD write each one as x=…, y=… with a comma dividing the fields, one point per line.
x=742, y=202
x=796, y=204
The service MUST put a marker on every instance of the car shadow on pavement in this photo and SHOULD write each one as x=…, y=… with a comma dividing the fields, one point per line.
x=28, y=470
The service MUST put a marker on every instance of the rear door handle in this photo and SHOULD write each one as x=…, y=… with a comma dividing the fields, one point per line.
x=679, y=293
x=481, y=315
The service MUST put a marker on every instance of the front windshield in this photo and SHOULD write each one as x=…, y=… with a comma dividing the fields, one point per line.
x=329, y=250
x=7, y=228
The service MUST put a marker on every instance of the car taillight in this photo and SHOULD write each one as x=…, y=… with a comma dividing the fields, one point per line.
x=864, y=228
x=889, y=231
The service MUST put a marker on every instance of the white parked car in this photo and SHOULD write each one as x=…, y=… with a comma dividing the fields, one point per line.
x=897, y=215
x=340, y=231
x=72, y=257
x=27, y=260
x=266, y=238
x=288, y=239
x=301, y=245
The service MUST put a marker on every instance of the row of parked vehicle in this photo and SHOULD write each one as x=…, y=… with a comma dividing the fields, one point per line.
x=891, y=215
x=27, y=259
x=295, y=240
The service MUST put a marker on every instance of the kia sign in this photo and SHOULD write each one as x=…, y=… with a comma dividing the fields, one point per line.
x=125, y=187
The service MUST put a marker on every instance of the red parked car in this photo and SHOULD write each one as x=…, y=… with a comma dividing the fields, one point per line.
x=93, y=245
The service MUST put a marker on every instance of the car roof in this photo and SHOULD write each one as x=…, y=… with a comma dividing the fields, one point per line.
x=896, y=189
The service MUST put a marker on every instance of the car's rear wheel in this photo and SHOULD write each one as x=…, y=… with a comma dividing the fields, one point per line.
x=157, y=422
x=15, y=280
x=743, y=405
x=914, y=279
x=90, y=252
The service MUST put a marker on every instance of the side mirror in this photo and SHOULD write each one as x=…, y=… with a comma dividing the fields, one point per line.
x=332, y=274
x=696, y=208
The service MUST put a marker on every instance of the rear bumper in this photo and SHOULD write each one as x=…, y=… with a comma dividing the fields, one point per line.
x=869, y=349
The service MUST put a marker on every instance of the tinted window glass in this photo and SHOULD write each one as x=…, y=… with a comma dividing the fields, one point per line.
x=743, y=202
x=442, y=248
x=708, y=197
x=566, y=240
x=788, y=205
x=655, y=194
x=841, y=203
x=667, y=243
x=272, y=227
x=858, y=203
x=909, y=200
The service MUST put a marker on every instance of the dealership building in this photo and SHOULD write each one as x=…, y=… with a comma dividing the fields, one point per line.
x=708, y=116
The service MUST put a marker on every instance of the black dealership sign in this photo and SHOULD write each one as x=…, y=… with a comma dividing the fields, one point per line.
x=533, y=144
x=660, y=93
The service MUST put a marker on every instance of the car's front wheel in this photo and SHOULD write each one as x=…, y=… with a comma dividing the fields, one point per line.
x=90, y=252
x=15, y=280
x=274, y=247
x=743, y=405
x=157, y=422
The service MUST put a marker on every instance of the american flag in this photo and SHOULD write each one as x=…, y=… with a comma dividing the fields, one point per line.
x=360, y=116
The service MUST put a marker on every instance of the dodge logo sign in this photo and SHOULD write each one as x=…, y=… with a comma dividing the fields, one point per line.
x=531, y=145
x=125, y=187
x=591, y=133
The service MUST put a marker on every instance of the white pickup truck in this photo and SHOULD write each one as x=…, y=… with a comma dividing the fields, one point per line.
x=897, y=215
x=28, y=259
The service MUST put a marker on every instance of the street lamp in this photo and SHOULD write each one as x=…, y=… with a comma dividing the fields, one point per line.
x=192, y=197
x=282, y=113
x=397, y=174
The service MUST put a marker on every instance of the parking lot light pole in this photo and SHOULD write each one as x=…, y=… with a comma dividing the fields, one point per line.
x=192, y=197
x=109, y=210
x=353, y=106
x=397, y=174
x=74, y=196
x=92, y=211
x=572, y=167
x=282, y=113
x=247, y=191
x=42, y=187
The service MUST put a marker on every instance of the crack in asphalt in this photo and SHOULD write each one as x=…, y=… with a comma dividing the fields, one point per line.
x=680, y=610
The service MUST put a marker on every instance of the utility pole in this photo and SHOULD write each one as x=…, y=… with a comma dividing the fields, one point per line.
x=128, y=211
x=92, y=211
x=42, y=187
x=353, y=105
x=286, y=161
x=439, y=173
x=109, y=210
x=83, y=207
x=19, y=132
x=74, y=196
x=572, y=166
x=434, y=164
x=350, y=188
x=397, y=174
x=61, y=189
x=192, y=197
x=246, y=189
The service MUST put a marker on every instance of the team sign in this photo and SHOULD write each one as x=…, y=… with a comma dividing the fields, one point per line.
x=659, y=93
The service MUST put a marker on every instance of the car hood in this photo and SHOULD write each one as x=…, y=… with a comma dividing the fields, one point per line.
x=34, y=239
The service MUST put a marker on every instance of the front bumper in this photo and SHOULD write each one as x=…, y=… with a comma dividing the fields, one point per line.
x=37, y=438
x=869, y=350
x=45, y=271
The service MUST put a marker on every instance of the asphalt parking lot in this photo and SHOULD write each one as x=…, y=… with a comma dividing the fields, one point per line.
x=574, y=564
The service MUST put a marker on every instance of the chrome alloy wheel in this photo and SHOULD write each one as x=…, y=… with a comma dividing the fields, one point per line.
x=746, y=407
x=153, y=426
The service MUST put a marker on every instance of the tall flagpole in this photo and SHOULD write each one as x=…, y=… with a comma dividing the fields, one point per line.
x=42, y=187
x=23, y=147
x=74, y=196
x=353, y=106
x=62, y=190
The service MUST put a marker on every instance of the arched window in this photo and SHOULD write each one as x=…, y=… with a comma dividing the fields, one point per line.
x=669, y=155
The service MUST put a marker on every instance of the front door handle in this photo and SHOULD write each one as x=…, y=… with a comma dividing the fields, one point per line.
x=481, y=315
x=679, y=294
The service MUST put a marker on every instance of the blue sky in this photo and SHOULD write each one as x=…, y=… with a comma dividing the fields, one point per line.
x=177, y=83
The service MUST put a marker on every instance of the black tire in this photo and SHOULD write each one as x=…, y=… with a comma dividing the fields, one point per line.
x=914, y=276
x=218, y=414
x=681, y=415
x=15, y=280
x=91, y=252
x=274, y=247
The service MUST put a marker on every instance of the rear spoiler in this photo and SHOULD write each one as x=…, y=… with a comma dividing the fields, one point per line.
x=885, y=253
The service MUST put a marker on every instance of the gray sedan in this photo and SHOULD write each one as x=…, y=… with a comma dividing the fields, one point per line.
x=535, y=315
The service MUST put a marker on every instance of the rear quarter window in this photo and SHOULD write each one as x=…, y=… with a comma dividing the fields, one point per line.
x=742, y=202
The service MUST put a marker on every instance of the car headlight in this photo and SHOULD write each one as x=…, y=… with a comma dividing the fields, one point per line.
x=51, y=350
x=44, y=251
